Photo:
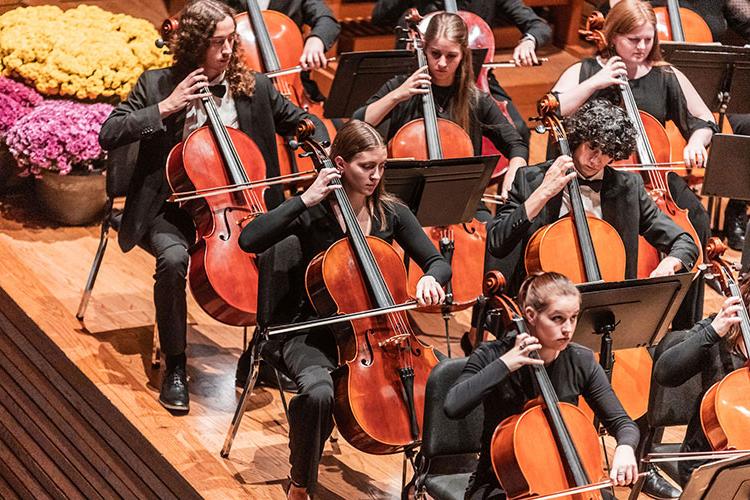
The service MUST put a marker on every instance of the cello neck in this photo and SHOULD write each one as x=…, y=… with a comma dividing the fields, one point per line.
x=434, y=147
x=590, y=264
x=224, y=142
x=265, y=45
x=370, y=270
x=675, y=20
x=643, y=147
x=451, y=6
x=557, y=423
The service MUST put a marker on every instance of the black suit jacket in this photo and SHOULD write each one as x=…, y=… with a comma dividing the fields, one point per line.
x=314, y=13
x=260, y=116
x=625, y=205
x=389, y=12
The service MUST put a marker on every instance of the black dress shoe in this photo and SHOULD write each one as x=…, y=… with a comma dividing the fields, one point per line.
x=735, y=223
x=656, y=486
x=174, y=390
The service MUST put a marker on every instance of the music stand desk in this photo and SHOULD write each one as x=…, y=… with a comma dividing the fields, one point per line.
x=440, y=192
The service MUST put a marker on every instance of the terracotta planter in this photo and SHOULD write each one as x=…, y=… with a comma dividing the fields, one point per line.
x=72, y=200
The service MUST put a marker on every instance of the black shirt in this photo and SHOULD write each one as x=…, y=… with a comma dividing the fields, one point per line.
x=317, y=229
x=486, y=379
x=699, y=350
x=486, y=118
x=658, y=93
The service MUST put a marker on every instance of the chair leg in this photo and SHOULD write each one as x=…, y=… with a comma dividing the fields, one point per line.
x=256, y=347
x=281, y=393
x=103, y=238
x=156, y=348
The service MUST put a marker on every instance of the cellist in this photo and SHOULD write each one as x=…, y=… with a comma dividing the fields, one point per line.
x=359, y=154
x=450, y=75
x=493, y=375
x=714, y=348
x=535, y=33
x=163, y=108
x=598, y=133
x=659, y=89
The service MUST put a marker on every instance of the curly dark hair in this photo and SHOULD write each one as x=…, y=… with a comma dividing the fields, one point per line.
x=602, y=126
x=192, y=37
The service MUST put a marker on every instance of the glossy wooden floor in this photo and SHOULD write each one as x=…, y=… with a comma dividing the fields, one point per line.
x=44, y=267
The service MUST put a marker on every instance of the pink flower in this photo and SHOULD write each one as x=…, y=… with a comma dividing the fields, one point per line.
x=58, y=135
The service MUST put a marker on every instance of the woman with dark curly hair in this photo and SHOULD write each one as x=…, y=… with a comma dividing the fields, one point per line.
x=163, y=109
x=598, y=133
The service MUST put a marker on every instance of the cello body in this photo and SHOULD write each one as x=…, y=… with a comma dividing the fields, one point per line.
x=555, y=247
x=223, y=279
x=520, y=440
x=373, y=421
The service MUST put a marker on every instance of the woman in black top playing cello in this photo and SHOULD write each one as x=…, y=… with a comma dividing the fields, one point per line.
x=550, y=304
x=359, y=155
x=450, y=75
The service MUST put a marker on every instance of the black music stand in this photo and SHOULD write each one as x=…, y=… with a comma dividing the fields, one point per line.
x=425, y=185
x=721, y=75
x=727, y=479
x=728, y=167
x=360, y=74
x=641, y=311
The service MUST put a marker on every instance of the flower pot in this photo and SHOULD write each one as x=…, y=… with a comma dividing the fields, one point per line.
x=9, y=170
x=72, y=199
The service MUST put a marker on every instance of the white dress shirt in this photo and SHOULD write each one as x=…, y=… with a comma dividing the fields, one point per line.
x=196, y=115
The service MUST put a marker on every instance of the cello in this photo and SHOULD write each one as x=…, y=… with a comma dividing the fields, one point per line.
x=586, y=249
x=652, y=147
x=725, y=408
x=223, y=279
x=380, y=383
x=681, y=25
x=549, y=448
x=422, y=139
x=272, y=42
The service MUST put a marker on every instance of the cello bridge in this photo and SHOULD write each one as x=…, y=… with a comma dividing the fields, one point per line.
x=393, y=341
x=249, y=217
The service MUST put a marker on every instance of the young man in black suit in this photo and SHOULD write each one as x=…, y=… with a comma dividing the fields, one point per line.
x=598, y=133
x=162, y=110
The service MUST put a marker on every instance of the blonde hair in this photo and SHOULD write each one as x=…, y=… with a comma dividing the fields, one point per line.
x=452, y=28
x=627, y=16
x=356, y=137
x=538, y=289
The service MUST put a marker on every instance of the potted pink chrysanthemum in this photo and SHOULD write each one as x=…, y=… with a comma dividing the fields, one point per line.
x=57, y=142
x=16, y=101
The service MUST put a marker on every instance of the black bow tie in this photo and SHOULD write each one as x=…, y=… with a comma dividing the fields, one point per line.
x=594, y=184
x=218, y=90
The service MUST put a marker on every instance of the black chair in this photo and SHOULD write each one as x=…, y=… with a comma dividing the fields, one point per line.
x=668, y=406
x=280, y=267
x=448, y=455
x=120, y=166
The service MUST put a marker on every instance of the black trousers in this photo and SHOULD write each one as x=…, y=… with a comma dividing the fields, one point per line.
x=168, y=239
x=309, y=360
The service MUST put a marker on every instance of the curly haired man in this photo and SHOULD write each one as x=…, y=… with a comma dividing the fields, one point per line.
x=598, y=133
x=162, y=110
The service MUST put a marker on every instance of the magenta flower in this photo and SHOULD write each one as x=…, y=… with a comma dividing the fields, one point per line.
x=22, y=94
x=58, y=135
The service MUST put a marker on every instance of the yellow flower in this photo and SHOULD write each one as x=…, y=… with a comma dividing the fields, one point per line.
x=84, y=52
